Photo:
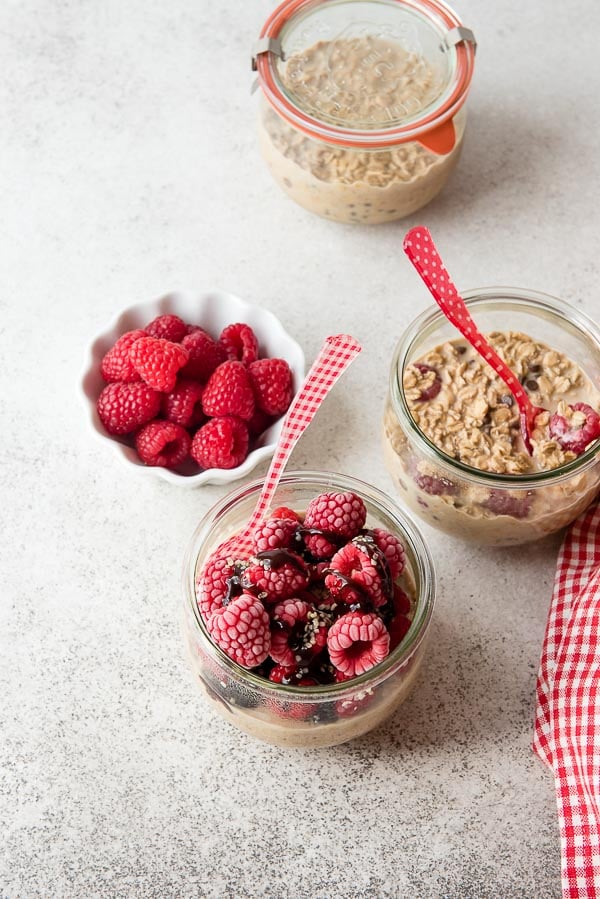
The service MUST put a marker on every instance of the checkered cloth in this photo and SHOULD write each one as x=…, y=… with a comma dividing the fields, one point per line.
x=567, y=724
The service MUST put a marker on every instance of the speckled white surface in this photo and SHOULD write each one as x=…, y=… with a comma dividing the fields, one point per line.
x=130, y=168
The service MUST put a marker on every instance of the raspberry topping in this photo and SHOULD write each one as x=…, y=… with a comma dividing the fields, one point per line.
x=163, y=443
x=357, y=641
x=205, y=354
x=158, y=361
x=277, y=573
x=241, y=630
x=229, y=392
x=298, y=632
x=392, y=549
x=220, y=443
x=436, y=486
x=218, y=584
x=429, y=393
x=285, y=512
x=272, y=384
x=122, y=408
x=168, y=327
x=116, y=364
x=184, y=404
x=240, y=343
x=503, y=503
x=354, y=577
x=572, y=436
x=276, y=533
x=330, y=519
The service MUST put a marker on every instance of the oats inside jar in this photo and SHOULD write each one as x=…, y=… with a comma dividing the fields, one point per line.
x=462, y=406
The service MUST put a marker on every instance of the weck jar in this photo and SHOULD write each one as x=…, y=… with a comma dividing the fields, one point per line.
x=362, y=114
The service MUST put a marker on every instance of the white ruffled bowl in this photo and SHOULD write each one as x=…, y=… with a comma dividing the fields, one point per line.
x=212, y=311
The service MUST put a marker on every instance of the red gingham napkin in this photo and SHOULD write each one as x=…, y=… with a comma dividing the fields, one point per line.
x=567, y=724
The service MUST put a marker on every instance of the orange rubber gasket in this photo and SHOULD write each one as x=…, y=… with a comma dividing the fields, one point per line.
x=432, y=130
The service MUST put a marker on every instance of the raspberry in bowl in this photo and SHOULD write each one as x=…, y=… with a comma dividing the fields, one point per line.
x=452, y=437
x=317, y=637
x=191, y=388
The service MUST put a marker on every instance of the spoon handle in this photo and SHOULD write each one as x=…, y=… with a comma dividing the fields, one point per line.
x=422, y=252
x=332, y=361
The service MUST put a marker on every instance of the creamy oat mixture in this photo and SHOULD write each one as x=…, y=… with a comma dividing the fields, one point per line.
x=365, y=82
x=474, y=418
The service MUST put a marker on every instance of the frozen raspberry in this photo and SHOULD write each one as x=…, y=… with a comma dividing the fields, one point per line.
x=436, y=486
x=205, y=354
x=158, y=361
x=272, y=383
x=124, y=407
x=350, y=705
x=219, y=582
x=275, y=533
x=278, y=574
x=116, y=364
x=503, y=503
x=431, y=392
x=354, y=577
x=298, y=632
x=285, y=512
x=338, y=516
x=168, y=327
x=183, y=404
x=240, y=343
x=291, y=676
x=220, y=443
x=398, y=629
x=392, y=549
x=357, y=641
x=402, y=603
x=163, y=443
x=317, y=572
x=229, y=392
x=241, y=630
x=576, y=439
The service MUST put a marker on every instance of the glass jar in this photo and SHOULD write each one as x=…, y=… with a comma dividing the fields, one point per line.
x=362, y=115
x=309, y=716
x=483, y=506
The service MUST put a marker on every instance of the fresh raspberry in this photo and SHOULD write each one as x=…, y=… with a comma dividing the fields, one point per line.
x=220, y=443
x=241, y=630
x=124, y=407
x=279, y=577
x=285, y=512
x=167, y=327
x=219, y=582
x=272, y=382
x=229, y=392
x=205, y=354
x=275, y=533
x=259, y=422
x=116, y=364
x=576, y=439
x=429, y=393
x=298, y=632
x=337, y=516
x=158, y=361
x=357, y=641
x=392, y=549
x=398, y=629
x=240, y=342
x=184, y=404
x=355, y=578
x=163, y=443
x=502, y=503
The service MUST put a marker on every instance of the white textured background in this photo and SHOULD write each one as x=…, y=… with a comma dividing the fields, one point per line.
x=129, y=167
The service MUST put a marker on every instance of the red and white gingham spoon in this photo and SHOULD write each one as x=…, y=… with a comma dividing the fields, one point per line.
x=334, y=358
x=422, y=252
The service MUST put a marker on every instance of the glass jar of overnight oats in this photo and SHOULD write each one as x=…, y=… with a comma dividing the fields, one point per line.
x=451, y=434
x=362, y=114
x=314, y=716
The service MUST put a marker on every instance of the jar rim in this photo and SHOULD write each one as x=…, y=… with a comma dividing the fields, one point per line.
x=439, y=118
x=417, y=551
x=501, y=297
